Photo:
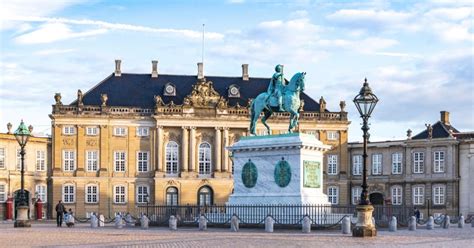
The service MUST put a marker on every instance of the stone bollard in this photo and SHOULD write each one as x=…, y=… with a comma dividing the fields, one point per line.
x=118, y=221
x=129, y=221
x=101, y=220
x=94, y=221
x=269, y=222
x=412, y=224
x=346, y=225
x=446, y=222
x=234, y=224
x=392, y=225
x=430, y=223
x=202, y=223
x=306, y=225
x=144, y=222
x=461, y=222
x=173, y=223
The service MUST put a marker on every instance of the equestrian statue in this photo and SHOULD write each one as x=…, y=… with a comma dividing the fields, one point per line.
x=280, y=97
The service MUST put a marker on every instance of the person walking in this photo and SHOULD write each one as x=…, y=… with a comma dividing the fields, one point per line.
x=59, y=213
x=417, y=214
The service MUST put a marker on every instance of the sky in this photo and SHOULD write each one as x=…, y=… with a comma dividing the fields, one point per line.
x=416, y=55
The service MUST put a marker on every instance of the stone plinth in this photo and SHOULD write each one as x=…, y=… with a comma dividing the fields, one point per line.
x=22, y=217
x=364, y=226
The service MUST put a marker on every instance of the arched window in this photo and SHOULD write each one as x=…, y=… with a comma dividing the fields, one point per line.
x=204, y=159
x=172, y=158
x=172, y=196
x=205, y=196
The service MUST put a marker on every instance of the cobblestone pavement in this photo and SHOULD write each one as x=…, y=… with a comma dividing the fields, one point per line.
x=47, y=235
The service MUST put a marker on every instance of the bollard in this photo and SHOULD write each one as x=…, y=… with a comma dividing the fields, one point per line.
x=269, y=222
x=306, y=225
x=173, y=223
x=144, y=222
x=373, y=221
x=234, y=223
x=94, y=221
x=430, y=223
x=129, y=221
x=412, y=224
x=346, y=225
x=202, y=223
x=447, y=221
x=118, y=221
x=461, y=222
x=101, y=220
x=392, y=225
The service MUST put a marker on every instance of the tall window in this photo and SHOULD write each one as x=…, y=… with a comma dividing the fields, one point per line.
x=69, y=193
x=142, y=161
x=332, y=135
x=143, y=131
x=92, y=131
x=438, y=159
x=418, y=195
x=69, y=130
x=172, y=196
x=439, y=193
x=204, y=158
x=40, y=160
x=119, y=194
x=40, y=190
x=92, y=193
x=333, y=195
x=418, y=162
x=120, y=131
x=3, y=192
x=18, y=160
x=92, y=163
x=119, y=161
x=142, y=194
x=69, y=160
x=376, y=164
x=172, y=157
x=2, y=158
x=397, y=195
x=357, y=165
x=396, y=163
x=356, y=191
x=332, y=164
x=205, y=196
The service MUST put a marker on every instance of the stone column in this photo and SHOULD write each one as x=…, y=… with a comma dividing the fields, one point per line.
x=225, y=158
x=192, y=149
x=184, y=149
x=217, y=149
x=159, y=134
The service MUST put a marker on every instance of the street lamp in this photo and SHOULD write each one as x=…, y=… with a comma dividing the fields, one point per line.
x=22, y=134
x=365, y=102
x=147, y=199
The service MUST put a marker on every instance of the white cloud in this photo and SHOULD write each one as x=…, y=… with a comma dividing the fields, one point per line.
x=48, y=52
x=370, y=18
x=51, y=32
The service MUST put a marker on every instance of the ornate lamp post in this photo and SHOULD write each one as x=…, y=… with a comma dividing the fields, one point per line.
x=22, y=134
x=365, y=102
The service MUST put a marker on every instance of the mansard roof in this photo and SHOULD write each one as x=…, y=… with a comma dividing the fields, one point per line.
x=138, y=90
x=440, y=130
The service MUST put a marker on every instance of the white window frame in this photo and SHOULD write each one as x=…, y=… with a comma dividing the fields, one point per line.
x=92, y=193
x=333, y=195
x=40, y=160
x=439, y=194
x=92, y=130
x=2, y=157
x=141, y=195
x=397, y=158
x=69, y=197
x=143, y=164
x=377, y=164
x=418, y=162
x=313, y=132
x=357, y=161
x=333, y=164
x=3, y=192
x=120, y=197
x=439, y=161
x=120, y=131
x=356, y=192
x=69, y=161
x=418, y=195
x=120, y=161
x=332, y=135
x=42, y=191
x=92, y=160
x=172, y=158
x=69, y=130
x=396, y=195
x=170, y=196
x=205, y=159
x=143, y=131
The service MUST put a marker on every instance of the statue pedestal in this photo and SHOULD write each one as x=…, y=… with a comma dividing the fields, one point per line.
x=278, y=169
x=22, y=219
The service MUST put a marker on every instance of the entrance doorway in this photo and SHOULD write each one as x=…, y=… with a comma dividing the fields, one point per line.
x=376, y=199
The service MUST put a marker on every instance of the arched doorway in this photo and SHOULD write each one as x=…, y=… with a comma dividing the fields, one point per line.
x=376, y=198
x=17, y=201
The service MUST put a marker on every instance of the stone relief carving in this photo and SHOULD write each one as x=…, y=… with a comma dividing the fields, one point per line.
x=322, y=104
x=79, y=97
x=203, y=95
x=429, y=128
x=91, y=142
x=103, y=99
x=222, y=103
x=158, y=101
x=68, y=142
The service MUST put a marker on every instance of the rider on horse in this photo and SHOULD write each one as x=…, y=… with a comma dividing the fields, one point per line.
x=275, y=88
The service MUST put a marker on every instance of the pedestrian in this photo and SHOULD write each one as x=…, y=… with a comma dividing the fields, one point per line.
x=417, y=214
x=70, y=220
x=59, y=213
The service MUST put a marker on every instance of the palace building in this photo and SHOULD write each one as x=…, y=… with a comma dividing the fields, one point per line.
x=137, y=139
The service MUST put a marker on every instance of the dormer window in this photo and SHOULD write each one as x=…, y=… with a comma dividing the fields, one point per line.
x=234, y=91
x=170, y=90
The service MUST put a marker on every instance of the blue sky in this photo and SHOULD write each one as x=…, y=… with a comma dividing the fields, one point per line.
x=417, y=55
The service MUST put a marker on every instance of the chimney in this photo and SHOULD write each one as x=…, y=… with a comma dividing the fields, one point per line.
x=245, y=72
x=118, y=71
x=200, y=70
x=445, y=117
x=154, y=68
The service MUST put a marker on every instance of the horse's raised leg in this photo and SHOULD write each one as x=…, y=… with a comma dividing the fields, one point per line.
x=293, y=120
x=267, y=115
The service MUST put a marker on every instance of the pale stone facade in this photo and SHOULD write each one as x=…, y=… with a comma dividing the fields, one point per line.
x=466, y=169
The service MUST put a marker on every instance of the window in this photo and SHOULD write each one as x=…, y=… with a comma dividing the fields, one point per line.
x=120, y=131
x=18, y=160
x=332, y=135
x=356, y=192
x=439, y=194
x=40, y=190
x=92, y=131
x=205, y=196
x=142, y=194
x=376, y=164
x=313, y=132
x=92, y=193
x=172, y=196
x=396, y=163
x=333, y=195
x=69, y=130
x=119, y=161
x=332, y=164
x=396, y=195
x=143, y=131
x=357, y=165
x=3, y=192
x=69, y=193
x=204, y=159
x=438, y=161
x=418, y=195
x=69, y=163
x=418, y=162
x=2, y=158
x=40, y=160
x=172, y=158
x=92, y=163
x=142, y=161
x=119, y=194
